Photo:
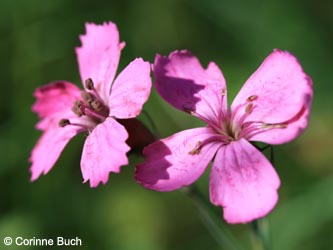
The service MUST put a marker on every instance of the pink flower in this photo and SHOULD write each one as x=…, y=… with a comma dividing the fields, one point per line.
x=65, y=110
x=273, y=107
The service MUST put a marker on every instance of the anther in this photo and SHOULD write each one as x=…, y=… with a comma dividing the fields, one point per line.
x=224, y=92
x=96, y=105
x=188, y=110
x=249, y=108
x=87, y=97
x=252, y=98
x=277, y=125
x=89, y=84
x=282, y=125
x=64, y=123
x=197, y=149
x=78, y=108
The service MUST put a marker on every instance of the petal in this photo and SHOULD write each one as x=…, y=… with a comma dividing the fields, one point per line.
x=279, y=89
x=104, y=151
x=186, y=85
x=243, y=182
x=139, y=136
x=55, y=98
x=176, y=161
x=130, y=90
x=49, y=147
x=292, y=129
x=98, y=57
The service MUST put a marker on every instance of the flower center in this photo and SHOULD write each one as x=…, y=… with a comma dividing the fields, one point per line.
x=91, y=107
x=234, y=125
x=230, y=124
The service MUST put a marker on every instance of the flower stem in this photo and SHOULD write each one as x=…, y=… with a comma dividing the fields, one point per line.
x=212, y=222
x=262, y=234
x=261, y=227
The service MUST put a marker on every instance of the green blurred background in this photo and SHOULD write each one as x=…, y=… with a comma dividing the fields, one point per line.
x=37, y=40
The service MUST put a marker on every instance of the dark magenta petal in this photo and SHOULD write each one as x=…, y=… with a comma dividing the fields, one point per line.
x=186, y=85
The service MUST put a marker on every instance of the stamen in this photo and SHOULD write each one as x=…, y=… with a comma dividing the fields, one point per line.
x=212, y=139
x=249, y=108
x=92, y=113
x=96, y=105
x=87, y=97
x=250, y=128
x=210, y=123
x=196, y=150
x=224, y=92
x=78, y=108
x=89, y=84
x=209, y=105
x=272, y=125
x=252, y=98
x=282, y=125
x=64, y=123
x=235, y=113
x=188, y=110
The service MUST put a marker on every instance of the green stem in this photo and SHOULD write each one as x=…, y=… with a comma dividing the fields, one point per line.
x=212, y=222
x=262, y=234
x=261, y=227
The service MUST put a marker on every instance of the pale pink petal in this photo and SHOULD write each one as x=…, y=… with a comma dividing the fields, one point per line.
x=186, y=85
x=104, y=151
x=49, y=147
x=243, y=182
x=55, y=98
x=279, y=89
x=130, y=90
x=98, y=57
x=177, y=161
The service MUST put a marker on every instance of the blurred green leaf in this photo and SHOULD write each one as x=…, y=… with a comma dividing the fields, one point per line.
x=300, y=218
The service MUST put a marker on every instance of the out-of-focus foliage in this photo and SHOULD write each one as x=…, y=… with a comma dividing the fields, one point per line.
x=37, y=40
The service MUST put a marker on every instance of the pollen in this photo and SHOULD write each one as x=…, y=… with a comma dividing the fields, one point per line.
x=277, y=125
x=188, y=110
x=282, y=125
x=96, y=105
x=197, y=149
x=78, y=108
x=87, y=97
x=89, y=84
x=252, y=98
x=249, y=108
x=224, y=92
x=64, y=123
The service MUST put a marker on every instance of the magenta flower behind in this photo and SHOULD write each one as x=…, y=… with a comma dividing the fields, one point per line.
x=272, y=107
x=65, y=110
